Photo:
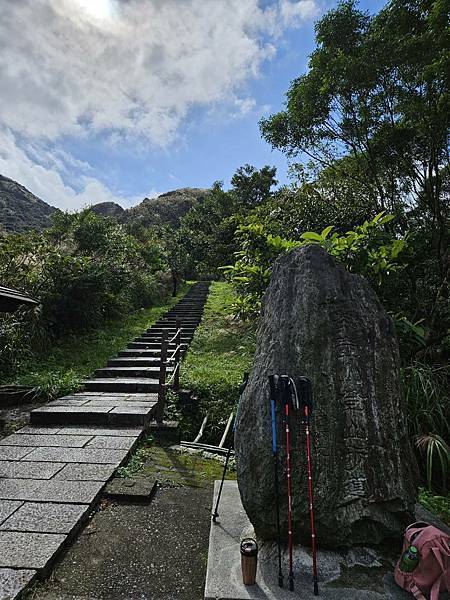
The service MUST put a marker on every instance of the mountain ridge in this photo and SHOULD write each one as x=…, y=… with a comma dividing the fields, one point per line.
x=21, y=210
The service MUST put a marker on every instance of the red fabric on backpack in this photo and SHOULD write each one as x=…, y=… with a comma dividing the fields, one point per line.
x=432, y=574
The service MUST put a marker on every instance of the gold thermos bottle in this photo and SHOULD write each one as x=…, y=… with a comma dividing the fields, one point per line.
x=249, y=560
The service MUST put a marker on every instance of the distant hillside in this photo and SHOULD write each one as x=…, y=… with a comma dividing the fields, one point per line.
x=167, y=208
x=108, y=209
x=20, y=210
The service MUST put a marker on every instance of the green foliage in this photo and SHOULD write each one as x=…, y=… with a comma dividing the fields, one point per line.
x=221, y=351
x=136, y=462
x=252, y=187
x=435, y=447
x=83, y=271
x=439, y=505
x=48, y=385
x=426, y=392
x=372, y=114
x=206, y=240
x=376, y=91
x=58, y=371
x=206, y=235
x=368, y=249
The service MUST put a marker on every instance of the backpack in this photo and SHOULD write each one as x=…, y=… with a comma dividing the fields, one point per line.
x=432, y=574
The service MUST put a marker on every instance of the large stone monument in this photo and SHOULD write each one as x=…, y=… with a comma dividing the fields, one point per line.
x=323, y=322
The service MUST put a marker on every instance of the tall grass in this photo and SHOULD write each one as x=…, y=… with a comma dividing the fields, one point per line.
x=221, y=351
x=427, y=394
x=426, y=390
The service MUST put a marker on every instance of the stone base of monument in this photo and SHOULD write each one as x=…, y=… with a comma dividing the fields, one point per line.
x=359, y=573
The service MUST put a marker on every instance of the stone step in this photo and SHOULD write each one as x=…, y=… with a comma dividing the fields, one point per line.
x=171, y=330
x=185, y=314
x=95, y=413
x=187, y=308
x=130, y=371
x=139, y=352
x=148, y=337
x=171, y=321
x=169, y=333
x=190, y=304
x=151, y=345
x=188, y=314
x=171, y=324
x=134, y=361
x=122, y=384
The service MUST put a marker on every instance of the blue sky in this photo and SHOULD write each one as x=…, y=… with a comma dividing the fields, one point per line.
x=114, y=100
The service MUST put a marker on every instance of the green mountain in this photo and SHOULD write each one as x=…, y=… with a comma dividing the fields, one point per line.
x=167, y=208
x=21, y=210
x=108, y=209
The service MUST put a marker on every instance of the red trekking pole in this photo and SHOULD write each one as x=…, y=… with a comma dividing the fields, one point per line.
x=306, y=402
x=287, y=391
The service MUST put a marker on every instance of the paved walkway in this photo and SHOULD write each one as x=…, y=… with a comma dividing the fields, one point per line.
x=53, y=472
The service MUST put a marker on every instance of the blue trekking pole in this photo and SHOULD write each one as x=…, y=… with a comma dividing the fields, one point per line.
x=273, y=384
x=241, y=391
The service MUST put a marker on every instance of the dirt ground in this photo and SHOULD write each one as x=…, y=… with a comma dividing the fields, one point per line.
x=13, y=418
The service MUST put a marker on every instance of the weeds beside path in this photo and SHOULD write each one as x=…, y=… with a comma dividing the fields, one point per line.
x=221, y=352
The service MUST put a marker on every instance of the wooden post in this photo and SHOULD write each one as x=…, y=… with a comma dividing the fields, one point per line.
x=162, y=379
x=176, y=381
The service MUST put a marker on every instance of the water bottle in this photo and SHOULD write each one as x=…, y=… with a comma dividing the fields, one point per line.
x=249, y=559
x=409, y=560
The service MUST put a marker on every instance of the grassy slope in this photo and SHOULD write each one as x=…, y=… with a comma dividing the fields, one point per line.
x=221, y=351
x=61, y=370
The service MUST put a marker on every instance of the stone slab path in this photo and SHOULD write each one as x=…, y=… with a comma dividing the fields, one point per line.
x=53, y=472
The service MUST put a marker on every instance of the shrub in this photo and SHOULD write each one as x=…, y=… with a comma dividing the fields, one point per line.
x=84, y=270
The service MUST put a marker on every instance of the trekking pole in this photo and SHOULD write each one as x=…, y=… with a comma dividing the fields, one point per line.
x=273, y=380
x=307, y=404
x=241, y=391
x=286, y=398
x=215, y=513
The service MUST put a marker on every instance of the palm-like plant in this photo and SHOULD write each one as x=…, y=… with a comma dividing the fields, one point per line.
x=434, y=445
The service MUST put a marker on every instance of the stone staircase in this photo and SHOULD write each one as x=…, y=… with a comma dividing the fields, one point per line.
x=52, y=473
x=124, y=393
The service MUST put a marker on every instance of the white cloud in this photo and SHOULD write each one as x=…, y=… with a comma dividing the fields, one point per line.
x=124, y=69
x=136, y=71
x=40, y=173
x=244, y=106
x=294, y=13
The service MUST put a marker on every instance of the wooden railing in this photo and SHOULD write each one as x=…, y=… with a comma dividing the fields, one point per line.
x=175, y=360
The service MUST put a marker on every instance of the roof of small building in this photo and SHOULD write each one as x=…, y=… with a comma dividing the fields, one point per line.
x=11, y=299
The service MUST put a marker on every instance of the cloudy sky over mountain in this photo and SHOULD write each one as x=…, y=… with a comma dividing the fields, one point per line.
x=121, y=99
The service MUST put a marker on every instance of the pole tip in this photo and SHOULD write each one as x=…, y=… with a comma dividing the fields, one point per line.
x=316, y=588
x=280, y=580
x=214, y=517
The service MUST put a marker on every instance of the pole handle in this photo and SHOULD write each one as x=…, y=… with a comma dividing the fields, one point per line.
x=304, y=387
